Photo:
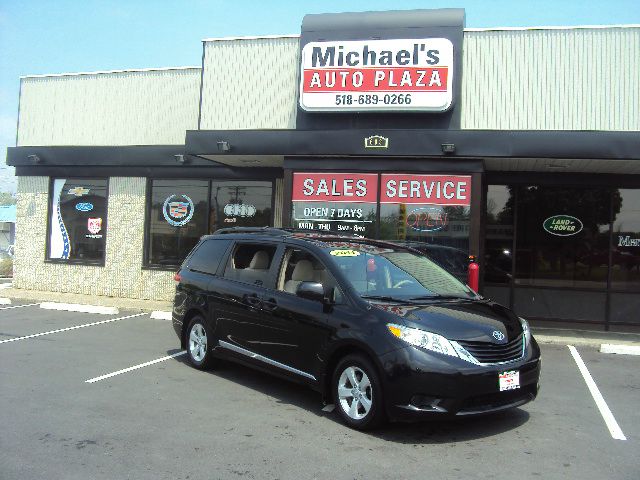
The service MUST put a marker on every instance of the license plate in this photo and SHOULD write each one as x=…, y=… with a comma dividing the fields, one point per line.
x=509, y=380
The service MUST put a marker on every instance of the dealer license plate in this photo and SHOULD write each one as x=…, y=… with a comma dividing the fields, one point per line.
x=509, y=380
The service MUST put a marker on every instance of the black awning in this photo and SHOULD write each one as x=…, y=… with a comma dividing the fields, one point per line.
x=417, y=143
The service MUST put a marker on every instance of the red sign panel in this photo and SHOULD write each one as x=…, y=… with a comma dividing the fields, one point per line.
x=335, y=187
x=426, y=189
x=378, y=80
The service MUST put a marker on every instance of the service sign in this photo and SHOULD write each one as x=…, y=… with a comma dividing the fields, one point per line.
x=451, y=190
x=377, y=75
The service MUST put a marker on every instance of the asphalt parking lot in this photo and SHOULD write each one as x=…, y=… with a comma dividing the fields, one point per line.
x=64, y=414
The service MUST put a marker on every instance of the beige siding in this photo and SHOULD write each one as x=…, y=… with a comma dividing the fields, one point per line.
x=153, y=107
x=250, y=83
x=555, y=79
x=122, y=275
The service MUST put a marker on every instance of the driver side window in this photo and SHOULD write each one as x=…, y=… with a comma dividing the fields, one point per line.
x=301, y=266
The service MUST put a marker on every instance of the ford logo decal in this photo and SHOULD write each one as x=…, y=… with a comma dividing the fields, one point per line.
x=84, y=207
x=498, y=335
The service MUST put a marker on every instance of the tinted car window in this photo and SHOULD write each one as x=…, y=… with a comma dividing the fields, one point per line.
x=208, y=255
x=250, y=263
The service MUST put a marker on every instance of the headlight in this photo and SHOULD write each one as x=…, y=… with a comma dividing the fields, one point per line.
x=526, y=330
x=423, y=339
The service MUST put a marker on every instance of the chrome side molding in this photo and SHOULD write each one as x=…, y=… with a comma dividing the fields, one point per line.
x=262, y=358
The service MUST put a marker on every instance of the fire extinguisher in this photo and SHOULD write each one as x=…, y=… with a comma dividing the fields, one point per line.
x=473, y=275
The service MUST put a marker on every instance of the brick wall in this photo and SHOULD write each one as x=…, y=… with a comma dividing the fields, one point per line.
x=122, y=275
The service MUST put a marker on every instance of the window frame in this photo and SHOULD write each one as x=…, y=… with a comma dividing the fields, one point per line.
x=272, y=272
x=146, y=264
x=76, y=261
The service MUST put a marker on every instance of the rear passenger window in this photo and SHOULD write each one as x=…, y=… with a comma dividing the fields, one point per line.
x=250, y=263
x=208, y=255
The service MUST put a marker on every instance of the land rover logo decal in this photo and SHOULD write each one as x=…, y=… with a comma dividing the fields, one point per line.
x=498, y=335
x=178, y=210
x=562, y=225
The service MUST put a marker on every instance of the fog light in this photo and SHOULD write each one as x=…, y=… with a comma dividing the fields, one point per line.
x=424, y=402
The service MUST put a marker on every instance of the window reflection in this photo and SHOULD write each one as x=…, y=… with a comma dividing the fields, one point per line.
x=625, y=255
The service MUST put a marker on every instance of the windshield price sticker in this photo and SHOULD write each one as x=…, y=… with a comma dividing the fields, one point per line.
x=509, y=380
x=398, y=74
x=344, y=253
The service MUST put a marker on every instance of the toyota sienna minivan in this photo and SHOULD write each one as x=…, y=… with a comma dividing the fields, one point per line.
x=378, y=329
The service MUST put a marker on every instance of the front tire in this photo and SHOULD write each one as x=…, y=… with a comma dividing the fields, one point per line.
x=198, y=342
x=357, y=393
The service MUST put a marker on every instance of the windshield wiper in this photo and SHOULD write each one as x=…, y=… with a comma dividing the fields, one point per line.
x=386, y=298
x=437, y=296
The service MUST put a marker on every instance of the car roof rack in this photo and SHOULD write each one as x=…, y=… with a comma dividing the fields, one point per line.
x=276, y=232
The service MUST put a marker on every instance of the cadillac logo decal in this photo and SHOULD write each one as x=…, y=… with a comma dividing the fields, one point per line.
x=498, y=335
x=178, y=210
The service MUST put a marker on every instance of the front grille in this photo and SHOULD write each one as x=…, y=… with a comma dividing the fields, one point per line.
x=486, y=352
x=495, y=401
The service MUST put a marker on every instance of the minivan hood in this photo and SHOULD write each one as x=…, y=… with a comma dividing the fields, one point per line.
x=467, y=320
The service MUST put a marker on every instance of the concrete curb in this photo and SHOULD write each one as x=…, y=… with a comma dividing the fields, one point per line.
x=121, y=303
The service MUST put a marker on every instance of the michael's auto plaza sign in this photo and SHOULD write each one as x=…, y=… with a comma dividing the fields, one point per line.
x=399, y=75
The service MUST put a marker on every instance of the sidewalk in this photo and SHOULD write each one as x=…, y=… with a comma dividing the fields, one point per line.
x=544, y=335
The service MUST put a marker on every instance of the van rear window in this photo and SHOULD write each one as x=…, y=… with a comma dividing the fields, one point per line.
x=208, y=255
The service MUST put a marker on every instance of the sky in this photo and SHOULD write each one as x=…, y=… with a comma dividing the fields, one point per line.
x=58, y=36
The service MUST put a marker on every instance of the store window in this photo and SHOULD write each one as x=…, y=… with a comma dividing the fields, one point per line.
x=240, y=204
x=77, y=220
x=498, y=256
x=562, y=236
x=431, y=213
x=177, y=219
x=625, y=255
x=337, y=202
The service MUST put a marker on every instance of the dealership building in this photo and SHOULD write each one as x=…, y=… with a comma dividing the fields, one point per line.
x=519, y=147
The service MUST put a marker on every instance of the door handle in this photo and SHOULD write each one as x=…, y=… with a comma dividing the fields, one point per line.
x=253, y=301
x=270, y=305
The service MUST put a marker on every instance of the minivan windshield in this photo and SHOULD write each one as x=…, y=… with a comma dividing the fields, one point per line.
x=394, y=274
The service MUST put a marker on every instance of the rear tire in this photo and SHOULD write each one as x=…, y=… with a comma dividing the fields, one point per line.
x=198, y=342
x=357, y=393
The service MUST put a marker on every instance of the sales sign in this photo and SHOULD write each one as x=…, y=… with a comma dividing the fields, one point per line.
x=377, y=75
x=335, y=187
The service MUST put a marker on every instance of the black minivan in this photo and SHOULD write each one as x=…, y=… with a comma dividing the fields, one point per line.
x=378, y=329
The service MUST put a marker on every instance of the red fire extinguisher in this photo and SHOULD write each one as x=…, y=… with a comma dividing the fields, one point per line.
x=473, y=275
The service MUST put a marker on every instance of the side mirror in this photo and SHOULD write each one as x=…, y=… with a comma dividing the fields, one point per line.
x=311, y=291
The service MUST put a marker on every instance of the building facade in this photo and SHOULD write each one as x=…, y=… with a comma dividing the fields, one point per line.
x=519, y=147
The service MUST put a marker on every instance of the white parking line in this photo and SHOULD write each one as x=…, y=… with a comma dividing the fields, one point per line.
x=620, y=349
x=77, y=307
x=612, y=425
x=135, y=367
x=19, y=306
x=71, y=328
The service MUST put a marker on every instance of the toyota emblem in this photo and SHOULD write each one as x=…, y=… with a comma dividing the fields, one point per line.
x=498, y=335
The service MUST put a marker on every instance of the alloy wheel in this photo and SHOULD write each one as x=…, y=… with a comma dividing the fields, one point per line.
x=355, y=392
x=198, y=342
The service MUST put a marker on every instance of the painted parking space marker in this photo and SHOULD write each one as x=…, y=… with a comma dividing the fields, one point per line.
x=135, y=367
x=19, y=306
x=76, y=307
x=5, y=301
x=612, y=425
x=35, y=335
x=620, y=349
x=161, y=315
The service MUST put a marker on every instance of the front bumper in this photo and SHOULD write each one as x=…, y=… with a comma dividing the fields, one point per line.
x=421, y=385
